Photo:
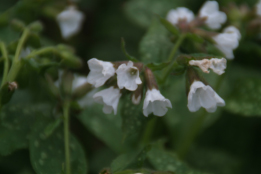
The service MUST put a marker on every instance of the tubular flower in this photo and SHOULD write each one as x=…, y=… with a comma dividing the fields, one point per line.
x=201, y=95
x=217, y=65
x=109, y=98
x=155, y=103
x=128, y=76
x=70, y=21
x=181, y=13
x=100, y=72
x=215, y=18
x=227, y=41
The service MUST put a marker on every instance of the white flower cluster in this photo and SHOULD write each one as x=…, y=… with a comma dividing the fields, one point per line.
x=209, y=13
x=128, y=78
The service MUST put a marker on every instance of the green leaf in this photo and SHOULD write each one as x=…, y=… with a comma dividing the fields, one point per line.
x=174, y=30
x=129, y=160
x=245, y=98
x=157, y=66
x=47, y=153
x=155, y=45
x=142, y=12
x=163, y=160
x=51, y=127
x=132, y=118
x=17, y=119
x=107, y=127
x=125, y=52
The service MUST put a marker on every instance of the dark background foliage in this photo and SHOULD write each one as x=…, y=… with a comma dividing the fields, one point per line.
x=228, y=143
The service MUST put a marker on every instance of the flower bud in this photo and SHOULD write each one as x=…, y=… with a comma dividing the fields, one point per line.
x=82, y=90
x=150, y=79
x=66, y=83
x=17, y=25
x=36, y=26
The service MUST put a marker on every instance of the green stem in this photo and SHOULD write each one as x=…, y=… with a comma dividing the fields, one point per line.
x=41, y=51
x=148, y=131
x=190, y=136
x=176, y=46
x=16, y=62
x=66, y=108
x=6, y=63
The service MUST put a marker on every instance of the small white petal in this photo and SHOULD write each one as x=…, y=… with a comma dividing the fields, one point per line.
x=135, y=100
x=201, y=95
x=203, y=64
x=258, y=8
x=70, y=21
x=109, y=98
x=128, y=76
x=180, y=13
x=100, y=72
x=215, y=18
x=218, y=65
x=155, y=103
x=227, y=41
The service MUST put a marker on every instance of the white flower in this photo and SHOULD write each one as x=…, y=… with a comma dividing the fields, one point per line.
x=217, y=65
x=203, y=64
x=70, y=21
x=100, y=72
x=215, y=17
x=181, y=13
x=155, y=103
x=128, y=76
x=201, y=95
x=258, y=8
x=227, y=41
x=109, y=98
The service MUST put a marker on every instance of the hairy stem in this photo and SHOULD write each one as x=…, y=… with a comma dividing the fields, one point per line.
x=16, y=62
x=176, y=46
x=41, y=51
x=147, y=134
x=6, y=63
x=66, y=108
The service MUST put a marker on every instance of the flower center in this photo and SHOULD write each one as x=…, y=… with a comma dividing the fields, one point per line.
x=133, y=71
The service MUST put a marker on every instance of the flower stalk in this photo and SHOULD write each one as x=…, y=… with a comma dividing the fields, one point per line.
x=66, y=108
x=16, y=65
x=176, y=46
x=6, y=62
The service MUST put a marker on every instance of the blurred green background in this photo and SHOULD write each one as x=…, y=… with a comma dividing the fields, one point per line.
x=228, y=143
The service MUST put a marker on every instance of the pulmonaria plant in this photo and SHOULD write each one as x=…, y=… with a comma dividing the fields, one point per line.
x=128, y=78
